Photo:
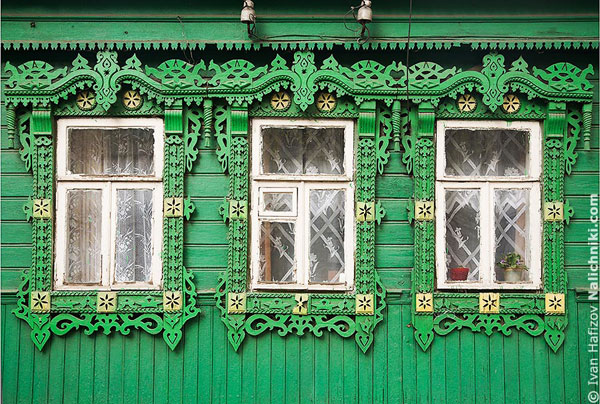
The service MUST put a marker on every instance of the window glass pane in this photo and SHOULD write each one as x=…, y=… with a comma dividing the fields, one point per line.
x=511, y=208
x=462, y=235
x=326, y=248
x=296, y=151
x=84, y=236
x=133, y=252
x=277, y=258
x=119, y=151
x=282, y=151
x=324, y=151
x=278, y=202
x=482, y=153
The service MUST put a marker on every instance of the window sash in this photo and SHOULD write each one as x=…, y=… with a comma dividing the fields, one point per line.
x=534, y=155
x=62, y=146
x=302, y=234
x=487, y=185
x=487, y=236
x=257, y=152
x=108, y=240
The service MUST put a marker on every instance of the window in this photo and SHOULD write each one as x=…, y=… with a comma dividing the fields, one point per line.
x=302, y=204
x=488, y=205
x=109, y=204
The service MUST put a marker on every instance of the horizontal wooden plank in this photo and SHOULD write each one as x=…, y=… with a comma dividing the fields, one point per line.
x=578, y=231
x=207, y=208
x=581, y=184
x=12, y=209
x=16, y=185
x=581, y=206
x=15, y=256
x=16, y=232
x=577, y=254
x=10, y=279
x=394, y=256
x=394, y=186
x=394, y=233
x=212, y=233
x=206, y=185
x=12, y=163
x=395, y=209
x=587, y=161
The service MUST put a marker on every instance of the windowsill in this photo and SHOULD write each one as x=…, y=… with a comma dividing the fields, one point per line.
x=487, y=287
x=339, y=288
x=102, y=288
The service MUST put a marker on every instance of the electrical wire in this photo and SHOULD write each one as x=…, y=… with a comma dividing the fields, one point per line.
x=187, y=42
x=410, y=7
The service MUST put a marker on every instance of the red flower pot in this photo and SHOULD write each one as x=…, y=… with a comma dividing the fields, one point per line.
x=459, y=274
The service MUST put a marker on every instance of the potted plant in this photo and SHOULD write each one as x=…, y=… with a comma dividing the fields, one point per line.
x=513, y=265
x=459, y=273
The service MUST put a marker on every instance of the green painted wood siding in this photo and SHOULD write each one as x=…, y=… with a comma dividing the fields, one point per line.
x=460, y=368
x=157, y=22
x=463, y=367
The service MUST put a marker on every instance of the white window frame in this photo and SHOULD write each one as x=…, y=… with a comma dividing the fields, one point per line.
x=486, y=185
x=301, y=184
x=109, y=185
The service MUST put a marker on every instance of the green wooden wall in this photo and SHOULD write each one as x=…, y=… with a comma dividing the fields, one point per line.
x=460, y=368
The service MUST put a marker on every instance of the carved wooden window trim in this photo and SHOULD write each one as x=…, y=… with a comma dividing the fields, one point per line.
x=486, y=185
x=226, y=94
x=108, y=186
x=300, y=186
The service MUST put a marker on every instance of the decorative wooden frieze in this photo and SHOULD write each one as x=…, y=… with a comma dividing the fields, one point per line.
x=107, y=302
x=326, y=102
x=172, y=300
x=42, y=209
x=555, y=303
x=39, y=301
x=301, y=307
x=553, y=211
x=281, y=101
x=132, y=100
x=86, y=100
x=238, y=210
x=424, y=210
x=466, y=103
x=236, y=302
x=173, y=207
x=424, y=302
x=235, y=84
x=489, y=303
x=511, y=104
x=365, y=211
x=364, y=304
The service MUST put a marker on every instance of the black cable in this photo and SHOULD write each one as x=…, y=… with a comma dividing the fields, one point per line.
x=410, y=4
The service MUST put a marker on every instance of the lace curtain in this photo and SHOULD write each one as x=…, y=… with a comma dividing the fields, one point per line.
x=84, y=235
x=119, y=151
x=482, y=153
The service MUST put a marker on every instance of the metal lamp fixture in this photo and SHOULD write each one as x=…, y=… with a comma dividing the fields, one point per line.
x=248, y=16
x=364, y=15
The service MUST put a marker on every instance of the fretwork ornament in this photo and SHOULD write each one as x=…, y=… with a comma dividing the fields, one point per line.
x=349, y=315
x=534, y=313
x=364, y=90
x=49, y=311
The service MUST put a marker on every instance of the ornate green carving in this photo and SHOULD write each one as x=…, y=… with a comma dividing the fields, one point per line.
x=241, y=81
x=279, y=311
x=521, y=311
x=91, y=310
x=177, y=87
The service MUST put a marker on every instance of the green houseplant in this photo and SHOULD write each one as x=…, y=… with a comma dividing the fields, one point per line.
x=514, y=266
